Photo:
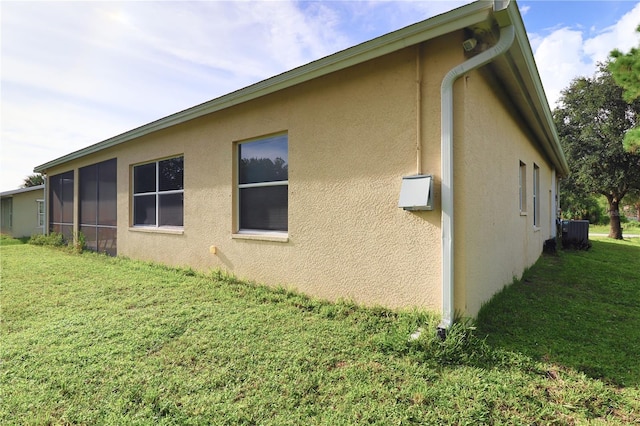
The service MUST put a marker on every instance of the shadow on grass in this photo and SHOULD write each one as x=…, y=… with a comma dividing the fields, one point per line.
x=579, y=309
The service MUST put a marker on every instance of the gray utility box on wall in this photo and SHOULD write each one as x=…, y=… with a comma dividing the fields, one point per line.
x=416, y=193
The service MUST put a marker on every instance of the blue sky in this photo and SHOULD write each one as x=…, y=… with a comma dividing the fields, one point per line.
x=76, y=73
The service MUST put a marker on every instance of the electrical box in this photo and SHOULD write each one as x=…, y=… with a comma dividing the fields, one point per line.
x=416, y=193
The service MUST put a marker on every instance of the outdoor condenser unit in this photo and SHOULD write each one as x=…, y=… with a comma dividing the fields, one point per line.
x=416, y=193
x=575, y=232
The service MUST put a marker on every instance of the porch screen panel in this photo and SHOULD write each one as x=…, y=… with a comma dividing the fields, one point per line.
x=107, y=240
x=107, y=194
x=98, y=206
x=88, y=195
x=90, y=237
x=61, y=204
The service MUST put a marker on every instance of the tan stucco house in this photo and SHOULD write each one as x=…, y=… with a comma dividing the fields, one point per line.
x=22, y=212
x=418, y=169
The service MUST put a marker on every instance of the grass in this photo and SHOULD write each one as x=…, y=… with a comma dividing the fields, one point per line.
x=630, y=227
x=88, y=339
x=580, y=309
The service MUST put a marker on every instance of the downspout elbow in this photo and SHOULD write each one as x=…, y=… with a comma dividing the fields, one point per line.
x=507, y=36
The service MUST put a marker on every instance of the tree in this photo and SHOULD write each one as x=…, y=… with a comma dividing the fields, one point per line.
x=625, y=69
x=33, y=180
x=633, y=201
x=577, y=204
x=592, y=121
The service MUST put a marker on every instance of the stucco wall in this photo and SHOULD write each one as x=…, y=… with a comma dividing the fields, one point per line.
x=352, y=136
x=494, y=241
x=24, y=215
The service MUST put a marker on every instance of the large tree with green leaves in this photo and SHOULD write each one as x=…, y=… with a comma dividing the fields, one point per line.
x=625, y=69
x=592, y=121
x=633, y=201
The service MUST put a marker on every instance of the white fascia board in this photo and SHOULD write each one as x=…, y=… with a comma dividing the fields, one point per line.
x=534, y=91
x=417, y=33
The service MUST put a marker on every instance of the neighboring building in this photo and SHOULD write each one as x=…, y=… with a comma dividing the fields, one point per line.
x=297, y=180
x=22, y=212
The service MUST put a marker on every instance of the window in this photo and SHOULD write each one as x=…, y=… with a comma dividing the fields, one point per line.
x=6, y=205
x=263, y=184
x=536, y=195
x=523, y=188
x=158, y=193
x=61, y=204
x=40, y=218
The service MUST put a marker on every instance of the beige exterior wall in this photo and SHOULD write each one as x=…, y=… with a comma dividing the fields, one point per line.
x=22, y=221
x=352, y=137
x=494, y=242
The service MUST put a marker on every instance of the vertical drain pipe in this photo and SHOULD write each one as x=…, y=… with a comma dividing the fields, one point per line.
x=45, y=225
x=507, y=35
x=418, y=111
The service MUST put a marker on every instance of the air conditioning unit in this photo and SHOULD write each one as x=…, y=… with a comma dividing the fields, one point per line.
x=575, y=233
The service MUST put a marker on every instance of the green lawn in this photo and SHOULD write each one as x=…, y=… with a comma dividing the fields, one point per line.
x=630, y=228
x=88, y=339
x=580, y=309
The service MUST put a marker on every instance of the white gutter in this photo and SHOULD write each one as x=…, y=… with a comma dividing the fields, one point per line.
x=507, y=35
x=554, y=204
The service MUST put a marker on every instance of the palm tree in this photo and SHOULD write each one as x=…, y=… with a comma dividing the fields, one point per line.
x=33, y=180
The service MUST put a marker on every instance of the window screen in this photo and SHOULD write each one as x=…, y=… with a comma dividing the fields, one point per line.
x=263, y=184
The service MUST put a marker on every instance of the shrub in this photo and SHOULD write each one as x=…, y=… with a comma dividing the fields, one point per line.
x=632, y=226
x=79, y=243
x=56, y=239
x=53, y=239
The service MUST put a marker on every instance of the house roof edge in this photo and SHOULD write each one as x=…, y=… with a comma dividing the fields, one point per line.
x=21, y=190
x=419, y=32
x=540, y=100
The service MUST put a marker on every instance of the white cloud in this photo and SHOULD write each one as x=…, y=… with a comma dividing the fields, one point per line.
x=566, y=53
x=560, y=58
x=622, y=35
x=76, y=73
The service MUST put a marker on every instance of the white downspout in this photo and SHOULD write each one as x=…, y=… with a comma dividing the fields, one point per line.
x=554, y=203
x=507, y=35
x=45, y=227
x=418, y=111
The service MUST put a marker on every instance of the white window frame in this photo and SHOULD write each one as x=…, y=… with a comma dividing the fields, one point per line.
x=156, y=193
x=239, y=186
x=522, y=180
x=536, y=195
x=40, y=213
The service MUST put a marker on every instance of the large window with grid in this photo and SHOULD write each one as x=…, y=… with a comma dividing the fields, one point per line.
x=263, y=184
x=158, y=193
